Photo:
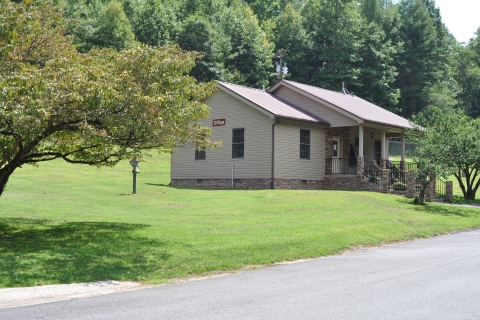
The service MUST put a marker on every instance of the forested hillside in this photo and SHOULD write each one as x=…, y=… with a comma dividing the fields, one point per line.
x=396, y=54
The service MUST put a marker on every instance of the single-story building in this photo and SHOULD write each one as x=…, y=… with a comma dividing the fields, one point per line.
x=291, y=136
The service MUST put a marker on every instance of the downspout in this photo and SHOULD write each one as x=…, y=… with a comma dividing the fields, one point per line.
x=273, y=153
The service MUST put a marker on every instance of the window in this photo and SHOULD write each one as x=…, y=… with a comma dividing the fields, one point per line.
x=200, y=154
x=238, y=143
x=304, y=144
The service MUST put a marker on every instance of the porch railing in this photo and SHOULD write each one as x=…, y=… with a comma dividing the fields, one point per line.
x=371, y=171
x=339, y=166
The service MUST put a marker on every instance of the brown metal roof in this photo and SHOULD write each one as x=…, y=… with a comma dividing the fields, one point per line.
x=279, y=108
x=353, y=105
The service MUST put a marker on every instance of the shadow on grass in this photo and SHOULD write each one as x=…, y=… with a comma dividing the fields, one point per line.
x=462, y=200
x=443, y=209
x=41, y=253
x=157, y=184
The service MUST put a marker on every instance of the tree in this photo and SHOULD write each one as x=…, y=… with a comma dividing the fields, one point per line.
x=156, y=24
x=291, y=35
x=422, y=62
x=113, y=28
x=448, y=144
x=250, y=59
x=95, y=108
x=196, y=35
x=345, y=48
x=335, y=29
x=466, y=65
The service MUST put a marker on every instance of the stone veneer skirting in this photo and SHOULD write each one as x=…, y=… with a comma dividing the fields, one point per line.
x=340, y=182
x=329, y=183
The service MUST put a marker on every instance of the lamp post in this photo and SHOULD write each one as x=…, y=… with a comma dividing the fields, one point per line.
x=136, y=165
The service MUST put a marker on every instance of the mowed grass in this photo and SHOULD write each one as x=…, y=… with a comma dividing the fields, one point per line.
x=63, y=223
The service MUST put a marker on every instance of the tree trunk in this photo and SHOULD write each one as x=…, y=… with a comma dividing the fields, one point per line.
x=421, y=196
x=5, y=173
x=470, y=194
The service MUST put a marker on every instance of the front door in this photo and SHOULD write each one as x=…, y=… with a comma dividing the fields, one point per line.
x=378, y=150
x=336, y=155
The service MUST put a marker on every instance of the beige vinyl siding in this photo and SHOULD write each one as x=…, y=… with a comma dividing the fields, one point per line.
x=335, y=118
x=258, y=144
x=288, y=164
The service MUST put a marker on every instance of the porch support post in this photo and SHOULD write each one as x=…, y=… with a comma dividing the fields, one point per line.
x=402, y=161
x=360, y=141
x=360, y=163
x=383, y=158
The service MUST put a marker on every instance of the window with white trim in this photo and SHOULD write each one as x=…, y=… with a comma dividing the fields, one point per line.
x=304, y=144
x=238, y=143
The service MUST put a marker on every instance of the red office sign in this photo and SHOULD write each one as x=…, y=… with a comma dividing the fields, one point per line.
x=218, y=122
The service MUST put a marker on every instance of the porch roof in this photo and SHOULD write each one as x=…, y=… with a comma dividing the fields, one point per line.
x=273, y=105
x=352, y=106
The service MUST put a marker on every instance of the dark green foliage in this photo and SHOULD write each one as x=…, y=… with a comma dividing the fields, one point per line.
x=419, y=65
x=249, y=61
x=113, y=28
x=291, y=35
x=197, y=35
x=396, y=54
x=156, y=24
x=345, y=48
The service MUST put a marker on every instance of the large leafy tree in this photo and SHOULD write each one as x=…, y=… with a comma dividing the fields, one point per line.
x=448, y=144
x=95, y=108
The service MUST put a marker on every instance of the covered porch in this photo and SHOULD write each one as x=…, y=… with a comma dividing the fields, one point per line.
x=361, y=150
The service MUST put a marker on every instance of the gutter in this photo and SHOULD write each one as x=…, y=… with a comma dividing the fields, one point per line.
x=277, y=121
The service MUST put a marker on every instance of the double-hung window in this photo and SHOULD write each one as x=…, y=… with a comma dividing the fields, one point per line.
x=238, y=143
x=304, y=144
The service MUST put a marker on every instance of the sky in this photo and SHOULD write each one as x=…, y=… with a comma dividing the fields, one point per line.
x=461, y=17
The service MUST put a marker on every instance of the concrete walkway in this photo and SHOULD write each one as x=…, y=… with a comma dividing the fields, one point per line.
x=14, y=297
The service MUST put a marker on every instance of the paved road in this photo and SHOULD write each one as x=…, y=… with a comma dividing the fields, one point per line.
x=437, y=278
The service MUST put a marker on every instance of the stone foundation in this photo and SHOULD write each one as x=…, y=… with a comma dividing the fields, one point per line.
x=340, y=182
x=292, y=184
x=224, y=183
x=333, y=182
x=298, y=184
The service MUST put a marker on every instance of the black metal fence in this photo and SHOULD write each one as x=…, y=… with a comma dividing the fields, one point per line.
x=397, y=178
x=440, y=188
x=339, y=166
x=409, y=166
x=395, y=148
x=372, y=172
x=418, y=186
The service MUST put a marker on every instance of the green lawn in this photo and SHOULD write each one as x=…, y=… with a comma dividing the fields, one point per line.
x=62, y=223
